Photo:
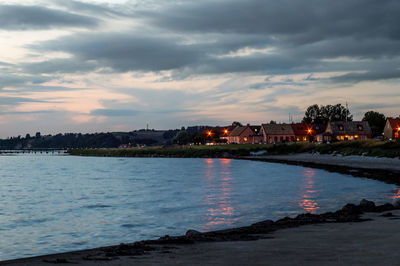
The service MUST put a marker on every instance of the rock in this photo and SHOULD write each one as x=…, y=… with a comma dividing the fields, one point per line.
x=396, y=203
x=351, y=209
x=226, y=155
x=367, y=205
x=266, y=223
x=192, y=233
x=384, y=207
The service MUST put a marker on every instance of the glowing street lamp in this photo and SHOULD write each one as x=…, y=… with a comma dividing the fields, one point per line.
x=225, y=131
x=309, y=131
x=209, y=133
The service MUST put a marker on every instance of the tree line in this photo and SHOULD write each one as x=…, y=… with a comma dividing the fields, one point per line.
x=322, y=114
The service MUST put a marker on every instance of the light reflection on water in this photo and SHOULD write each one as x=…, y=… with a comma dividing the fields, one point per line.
x=219, y=193
x=309, y=193
x=57, y=204
x=396, y=194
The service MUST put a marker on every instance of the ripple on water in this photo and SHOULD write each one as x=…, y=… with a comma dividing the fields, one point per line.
x=97, y=206
x=57, y=204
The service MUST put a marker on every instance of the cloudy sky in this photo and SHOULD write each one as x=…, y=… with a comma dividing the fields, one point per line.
x=91, y=66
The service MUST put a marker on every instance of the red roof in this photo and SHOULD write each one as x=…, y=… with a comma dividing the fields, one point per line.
x=394, y=122
x=301, y=128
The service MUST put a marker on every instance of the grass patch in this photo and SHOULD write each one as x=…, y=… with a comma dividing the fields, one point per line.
x=367, y=148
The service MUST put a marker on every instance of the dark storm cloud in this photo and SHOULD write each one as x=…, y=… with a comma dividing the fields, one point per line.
x=27, y=112
x=96, y=9
x=368, y=76
x=312, y=19
x=204, y=37
x=114, y=112
x=12, y=101
x=127, y=51
x=8, y=79
x=16, y=17
x=70, y=65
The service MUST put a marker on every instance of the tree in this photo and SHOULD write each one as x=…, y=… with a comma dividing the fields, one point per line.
x=313, y=115
x=182, y=138
x=376, y=121
x=323, y=114
x=272, y=122
x=335, y=113
x=237, y=124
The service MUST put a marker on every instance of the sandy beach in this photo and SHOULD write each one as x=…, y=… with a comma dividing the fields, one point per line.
x=354, y=235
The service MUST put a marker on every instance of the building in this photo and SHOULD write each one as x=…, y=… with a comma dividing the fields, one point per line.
x=277, y=133
x=303, y=132
x=245, y=135
x=392, y=128
x=347, y=130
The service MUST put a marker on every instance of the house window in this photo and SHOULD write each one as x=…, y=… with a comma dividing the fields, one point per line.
x=340, y=127
x=245, y=139
x=360, y=127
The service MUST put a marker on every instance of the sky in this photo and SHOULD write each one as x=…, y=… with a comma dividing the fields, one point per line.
x=102, y=66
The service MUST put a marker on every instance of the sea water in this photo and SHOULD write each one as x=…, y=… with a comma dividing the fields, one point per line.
x=54, y=204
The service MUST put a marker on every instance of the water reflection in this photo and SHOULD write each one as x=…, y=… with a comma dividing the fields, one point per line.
x=396, y=193
x=218, y=196
x=309, y=194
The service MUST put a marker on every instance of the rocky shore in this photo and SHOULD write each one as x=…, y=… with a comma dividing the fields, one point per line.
x=149, y=251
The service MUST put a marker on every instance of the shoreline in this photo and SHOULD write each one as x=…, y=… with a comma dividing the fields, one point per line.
x=127, y=254
x=383, y=169
x=262, y=230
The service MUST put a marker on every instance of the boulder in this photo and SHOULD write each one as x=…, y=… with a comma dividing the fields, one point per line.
x=367, y=205
x=192, y=233
x=396, y=203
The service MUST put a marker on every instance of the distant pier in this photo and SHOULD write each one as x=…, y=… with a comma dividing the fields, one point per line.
x=35, y=150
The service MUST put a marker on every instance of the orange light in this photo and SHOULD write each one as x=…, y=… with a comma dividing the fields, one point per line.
x=209, y=133
x=309, y=131
x=226, y=131
x=398, y=129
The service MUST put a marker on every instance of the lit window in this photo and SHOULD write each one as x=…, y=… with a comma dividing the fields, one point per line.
x=341, y=127
x=245, y=139
x=360, y=127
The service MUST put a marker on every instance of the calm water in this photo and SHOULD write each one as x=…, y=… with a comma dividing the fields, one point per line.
x=60, y=203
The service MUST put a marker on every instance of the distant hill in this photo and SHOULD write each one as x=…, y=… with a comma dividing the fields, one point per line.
x=95, y=140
